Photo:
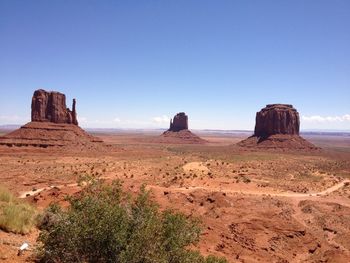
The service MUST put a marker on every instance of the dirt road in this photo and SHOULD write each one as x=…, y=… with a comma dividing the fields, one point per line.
x=260, y=193
x=211, y=189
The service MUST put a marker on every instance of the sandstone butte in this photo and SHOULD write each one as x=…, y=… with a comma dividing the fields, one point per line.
x=179, y=122
x=52, y=125
x=277, y=127
x=51, y=107
x=178, y=132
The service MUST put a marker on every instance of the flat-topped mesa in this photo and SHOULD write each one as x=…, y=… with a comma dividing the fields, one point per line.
x=277, y=128
x=50, y=106
x=179, y=122
x=277, y=119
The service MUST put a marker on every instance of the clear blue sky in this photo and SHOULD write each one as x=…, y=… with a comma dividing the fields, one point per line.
x=137, y=63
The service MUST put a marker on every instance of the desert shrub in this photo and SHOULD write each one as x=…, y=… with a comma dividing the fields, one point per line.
x=104, y=224
x=15, y=216
x=5, y=195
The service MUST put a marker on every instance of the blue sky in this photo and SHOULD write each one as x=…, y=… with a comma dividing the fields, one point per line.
x=134, y=64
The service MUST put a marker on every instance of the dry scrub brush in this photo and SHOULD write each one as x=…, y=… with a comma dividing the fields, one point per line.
x=15, y=216
x=104, y=224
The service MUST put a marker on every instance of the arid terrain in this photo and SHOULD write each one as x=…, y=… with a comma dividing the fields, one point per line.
x=255, y=205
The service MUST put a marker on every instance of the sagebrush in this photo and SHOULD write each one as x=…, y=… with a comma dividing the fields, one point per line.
x=104, y=224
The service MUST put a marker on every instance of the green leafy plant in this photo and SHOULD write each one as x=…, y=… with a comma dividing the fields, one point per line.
x=104, y=224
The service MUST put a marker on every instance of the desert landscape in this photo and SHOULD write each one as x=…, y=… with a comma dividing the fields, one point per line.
x=181, y=131
x=286, y=199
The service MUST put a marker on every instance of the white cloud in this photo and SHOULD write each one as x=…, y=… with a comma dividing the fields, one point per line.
x=161, y=119
x=12, y=119
x=318, y=118
x=116, y=120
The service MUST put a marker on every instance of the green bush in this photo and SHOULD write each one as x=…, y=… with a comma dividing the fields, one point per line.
x=103, y=224
x=15, y=216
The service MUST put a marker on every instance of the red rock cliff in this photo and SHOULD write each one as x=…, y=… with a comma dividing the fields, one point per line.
x=277, y=119
x=51, y=107
x=179, y=122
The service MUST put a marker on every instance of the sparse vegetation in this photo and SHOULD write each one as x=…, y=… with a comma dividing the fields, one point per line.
x=104, y=224
x=246, y=180
x=15, y=216
x=5, y=195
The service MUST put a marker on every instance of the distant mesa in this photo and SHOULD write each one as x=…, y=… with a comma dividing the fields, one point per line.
x=180, y=122
x=52, y=125
x=277, y=127
x=178, y=132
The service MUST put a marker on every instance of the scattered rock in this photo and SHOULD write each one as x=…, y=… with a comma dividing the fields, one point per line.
x=22, y=248
x=210, y=199
x=189, y=199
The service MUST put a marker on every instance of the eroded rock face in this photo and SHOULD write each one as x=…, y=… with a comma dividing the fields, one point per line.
x=51, y=107
x=53, y=126
x=277, y=119
x=179, y=122
x=178, y=133
x=277, y=128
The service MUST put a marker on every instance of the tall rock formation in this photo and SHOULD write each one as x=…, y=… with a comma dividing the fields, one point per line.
x=277, y=119
x=277, y=127
x=179, y=122
x=179, y=133
x=51, y=107
x=52, y=125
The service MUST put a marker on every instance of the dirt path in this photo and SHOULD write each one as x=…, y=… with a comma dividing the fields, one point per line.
x=229, y=191
x=211, y=189
x=36, y=191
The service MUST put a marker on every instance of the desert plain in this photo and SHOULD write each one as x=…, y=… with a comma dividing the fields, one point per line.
x=255, y=205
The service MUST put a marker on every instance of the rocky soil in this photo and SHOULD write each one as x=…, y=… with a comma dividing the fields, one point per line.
x=255, y=206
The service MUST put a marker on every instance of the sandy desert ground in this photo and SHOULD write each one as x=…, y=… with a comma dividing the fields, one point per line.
x=256, y=206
